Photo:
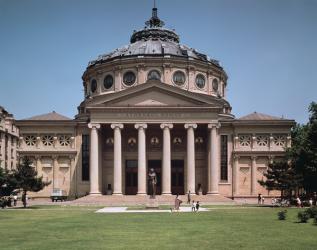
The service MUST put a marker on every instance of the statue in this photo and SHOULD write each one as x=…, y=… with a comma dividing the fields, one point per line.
x=152, y=182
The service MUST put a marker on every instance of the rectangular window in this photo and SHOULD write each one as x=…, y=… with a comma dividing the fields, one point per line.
x=224, y=158
x=85, y=157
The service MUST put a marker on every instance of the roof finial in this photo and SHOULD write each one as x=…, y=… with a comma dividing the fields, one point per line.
x=154, y=21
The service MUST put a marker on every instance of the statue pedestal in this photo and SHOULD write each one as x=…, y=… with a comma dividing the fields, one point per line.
x=152, y=204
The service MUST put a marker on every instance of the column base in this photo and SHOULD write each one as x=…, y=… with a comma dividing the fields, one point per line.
x=166, y=193
x=118, y=194
x=95, y=193
x=141, y=193
x=213, y=193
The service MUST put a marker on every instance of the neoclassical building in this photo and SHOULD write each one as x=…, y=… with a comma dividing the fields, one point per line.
x=9, y=137
x=154, y=103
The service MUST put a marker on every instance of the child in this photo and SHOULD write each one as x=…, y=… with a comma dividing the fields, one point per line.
x=193, y=206
x=197, y=206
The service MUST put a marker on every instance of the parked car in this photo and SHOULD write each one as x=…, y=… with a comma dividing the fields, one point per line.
x=58, y=194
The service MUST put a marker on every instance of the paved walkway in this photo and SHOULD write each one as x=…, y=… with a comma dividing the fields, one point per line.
x=125, y=210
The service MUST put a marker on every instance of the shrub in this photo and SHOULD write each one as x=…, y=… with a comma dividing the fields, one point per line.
x=315, y=220
x=303, y=216
x=312, y=211
x=282, y=215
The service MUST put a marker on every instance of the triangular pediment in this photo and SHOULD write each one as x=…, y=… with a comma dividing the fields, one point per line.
x=154, y=95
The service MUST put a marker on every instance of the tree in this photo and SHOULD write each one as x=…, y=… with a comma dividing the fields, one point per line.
x=303, y=153
x=26, y=178
x=7, y=182
x=281, y=176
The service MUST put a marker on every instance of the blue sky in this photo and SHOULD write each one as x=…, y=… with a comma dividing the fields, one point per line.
x=268, y=49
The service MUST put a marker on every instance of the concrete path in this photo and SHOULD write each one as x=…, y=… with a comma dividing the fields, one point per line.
x=125, y=210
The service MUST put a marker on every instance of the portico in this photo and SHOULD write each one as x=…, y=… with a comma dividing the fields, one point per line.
x=165, y=153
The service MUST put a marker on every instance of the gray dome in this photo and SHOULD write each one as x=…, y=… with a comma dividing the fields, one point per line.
x=153, y=47
x=153, y=40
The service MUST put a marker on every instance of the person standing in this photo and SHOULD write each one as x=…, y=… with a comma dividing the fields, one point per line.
x=193, y=206
x=310, y=202
x=177, y=203
x=188, y=197
x=299, y=202
x=15, y=199
x=197, y=206
x=259, y=198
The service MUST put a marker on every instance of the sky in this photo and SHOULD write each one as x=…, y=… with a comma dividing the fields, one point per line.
x=268, y=49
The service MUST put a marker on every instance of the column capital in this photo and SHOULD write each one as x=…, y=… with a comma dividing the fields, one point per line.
x=71, y=157
x=253, y=157
x=140, y=126
x=94, y=125
x=214, y=124
x=190, y=125
x=166, y=125
x=271, y=158
x=236, y=157
x=55, y=157
x=117, y=126
x=37, y=157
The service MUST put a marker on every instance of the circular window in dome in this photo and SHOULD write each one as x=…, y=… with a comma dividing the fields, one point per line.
x=93, y=85
x=215, y=85
x=129, y=78
x=179, y=78
x=154, y=75
x=200, y=81
x=108, y=81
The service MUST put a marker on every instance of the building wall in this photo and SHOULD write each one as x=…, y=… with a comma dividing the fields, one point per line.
x=9, y=134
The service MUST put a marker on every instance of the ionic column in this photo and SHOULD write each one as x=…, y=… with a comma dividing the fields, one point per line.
x=38, y=163
x=166, y=175
x=117, y=162
x=2, y=153
x=141, y=158
x=271, y=159
x=235, y=175
x=253, y=175
x=55, y=171
x=94, y=159
x=213, y=168
x=72, y=180
x=14, y=157
x=9, y=151
x=190, y=157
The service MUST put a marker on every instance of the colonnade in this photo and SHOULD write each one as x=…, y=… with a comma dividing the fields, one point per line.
x=95, y=165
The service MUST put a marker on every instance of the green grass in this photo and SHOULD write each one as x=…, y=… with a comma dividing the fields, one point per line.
x=60, y=227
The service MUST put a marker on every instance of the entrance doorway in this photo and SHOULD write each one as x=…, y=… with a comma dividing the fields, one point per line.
x=177, y=167
x=131, y=177
x=157, y=166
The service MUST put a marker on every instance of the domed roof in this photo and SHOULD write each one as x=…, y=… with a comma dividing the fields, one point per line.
x=153, y=40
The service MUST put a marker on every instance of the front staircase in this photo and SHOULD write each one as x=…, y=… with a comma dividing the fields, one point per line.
x=142, y=200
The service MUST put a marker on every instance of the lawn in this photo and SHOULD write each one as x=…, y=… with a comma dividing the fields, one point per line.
x=57, y=227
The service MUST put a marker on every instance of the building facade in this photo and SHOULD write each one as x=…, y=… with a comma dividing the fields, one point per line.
x=9, y=137
x=154, y=104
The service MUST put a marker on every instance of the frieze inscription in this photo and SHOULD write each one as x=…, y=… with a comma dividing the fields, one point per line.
x=151, y=115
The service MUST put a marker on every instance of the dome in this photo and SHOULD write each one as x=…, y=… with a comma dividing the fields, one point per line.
x=154, y=40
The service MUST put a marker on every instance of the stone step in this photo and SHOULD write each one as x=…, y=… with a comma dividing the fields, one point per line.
x=115, y=200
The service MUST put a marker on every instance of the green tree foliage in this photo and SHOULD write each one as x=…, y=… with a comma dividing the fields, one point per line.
x=7, y=182
x=26, y=179
x=303, y=153
x=281, y=176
